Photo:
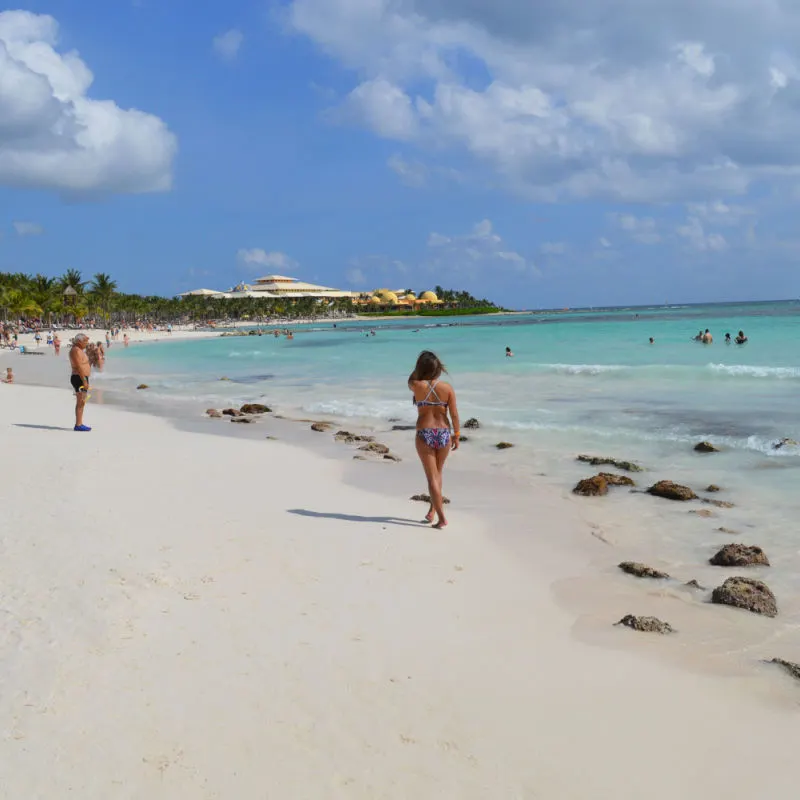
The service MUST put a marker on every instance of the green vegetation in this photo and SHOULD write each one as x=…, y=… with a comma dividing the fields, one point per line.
x=73, y=299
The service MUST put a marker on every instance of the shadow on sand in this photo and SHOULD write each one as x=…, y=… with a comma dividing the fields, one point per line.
x=302, y=512
x=40, y=427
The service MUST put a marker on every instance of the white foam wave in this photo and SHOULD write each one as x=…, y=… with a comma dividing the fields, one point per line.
x=584, y=369
x=745, y=371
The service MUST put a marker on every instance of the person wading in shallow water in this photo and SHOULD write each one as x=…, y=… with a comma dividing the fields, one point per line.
x=79, y=379
x=434, y=400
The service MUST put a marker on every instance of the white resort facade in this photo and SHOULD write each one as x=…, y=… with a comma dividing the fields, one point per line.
x=286, y=288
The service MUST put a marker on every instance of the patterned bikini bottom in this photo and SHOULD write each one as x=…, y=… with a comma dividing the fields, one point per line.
x=436, y=438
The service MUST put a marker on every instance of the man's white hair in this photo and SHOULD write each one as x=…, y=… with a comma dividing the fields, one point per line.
x=80, y=337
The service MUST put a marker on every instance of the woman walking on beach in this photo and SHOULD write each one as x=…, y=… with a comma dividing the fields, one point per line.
x=434, y=401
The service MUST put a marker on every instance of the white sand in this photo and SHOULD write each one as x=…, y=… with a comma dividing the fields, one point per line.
x=170, y=629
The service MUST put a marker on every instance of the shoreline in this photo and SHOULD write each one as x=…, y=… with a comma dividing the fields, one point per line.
x=395, y=660
x=594, y=536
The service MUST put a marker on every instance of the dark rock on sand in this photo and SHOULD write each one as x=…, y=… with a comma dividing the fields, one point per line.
x=646, y=624
x=702, y=512
x=671, y=491
x=463, y=438
x=748, y=594
x=597, y=461
x=472, y=423
x=255, y=408
x=792, y=668
x=718, y=503
x=142, y=386
x=617, y=480
x=320, y=427
x=728, y=530
x=403, y=427
x=705, y=447
x=592, y=487
x=212, y=412
x=713, y=488
x=739, y=555
x=351, y=438
x=503, y=445
x=426, y=498
x=375, y=447
x=232, y=412
x=391, y=457
x=693, y=584
x=242, y=419
x=641, y=570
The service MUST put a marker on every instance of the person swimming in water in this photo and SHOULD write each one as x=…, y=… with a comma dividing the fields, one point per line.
x=727, y=338
x=741, y=338
x=707, y=337
x=652, y=340
x=435, y=400
x=509, y=354
x=699, y=337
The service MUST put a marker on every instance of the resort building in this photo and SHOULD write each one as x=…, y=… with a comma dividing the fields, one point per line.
x=274, y=286
x=401, y=299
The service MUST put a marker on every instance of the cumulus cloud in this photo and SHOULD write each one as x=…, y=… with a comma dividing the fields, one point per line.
x=273, y=260
x=664, y=100
x=227, y=45
x=640, y=229
x=695, y=234
x=54, y=136
x=355, y=277
x=473, y=253
x=411, y=173
x=28, y=228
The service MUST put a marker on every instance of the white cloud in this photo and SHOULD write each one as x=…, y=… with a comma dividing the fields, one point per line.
x=640, y=229
x=28, y=228
x=262, y=258
x=603, y=242
x=227, y=45
x=383, y=107
x=470, y=254
x=664, y=100
x=53, y=136
x=696, y=236
x=411, y=173
x=437, y=240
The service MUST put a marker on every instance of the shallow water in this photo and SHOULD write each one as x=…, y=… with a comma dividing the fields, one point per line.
x=585, y=381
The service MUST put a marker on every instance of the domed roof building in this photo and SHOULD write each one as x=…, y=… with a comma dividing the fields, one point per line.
x=386, y=296
x=429, y=297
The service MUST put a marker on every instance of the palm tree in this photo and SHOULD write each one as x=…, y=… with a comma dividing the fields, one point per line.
x=103, y=289
x=73, y=278
x=19, y=304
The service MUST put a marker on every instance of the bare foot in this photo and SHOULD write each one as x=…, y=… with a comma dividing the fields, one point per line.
x=442, y=523
x=429, y=516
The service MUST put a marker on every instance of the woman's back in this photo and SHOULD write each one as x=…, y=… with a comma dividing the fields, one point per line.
x=432, y=399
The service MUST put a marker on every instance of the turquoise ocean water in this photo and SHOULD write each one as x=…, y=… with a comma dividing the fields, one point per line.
x=582, y=381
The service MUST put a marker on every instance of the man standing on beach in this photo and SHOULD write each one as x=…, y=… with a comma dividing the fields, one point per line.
x=81, y=370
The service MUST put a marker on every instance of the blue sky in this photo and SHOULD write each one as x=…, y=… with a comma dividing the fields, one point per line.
x=547, y=156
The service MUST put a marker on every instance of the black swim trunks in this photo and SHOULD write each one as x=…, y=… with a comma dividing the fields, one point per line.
x=78, y=383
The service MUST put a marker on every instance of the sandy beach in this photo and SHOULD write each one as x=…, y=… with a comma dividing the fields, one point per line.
x=187, y=615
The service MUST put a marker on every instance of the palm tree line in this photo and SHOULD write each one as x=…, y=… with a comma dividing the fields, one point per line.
x=71, y=298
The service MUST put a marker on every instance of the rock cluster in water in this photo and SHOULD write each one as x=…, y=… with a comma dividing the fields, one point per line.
x=746, y=593
x=706, y=447
x=472, y=423
x=642, y=570
x=671, y=491
x=597, y=461
x=739, y=555
x=592, y=487
x=646, y=624
x=790, y=667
